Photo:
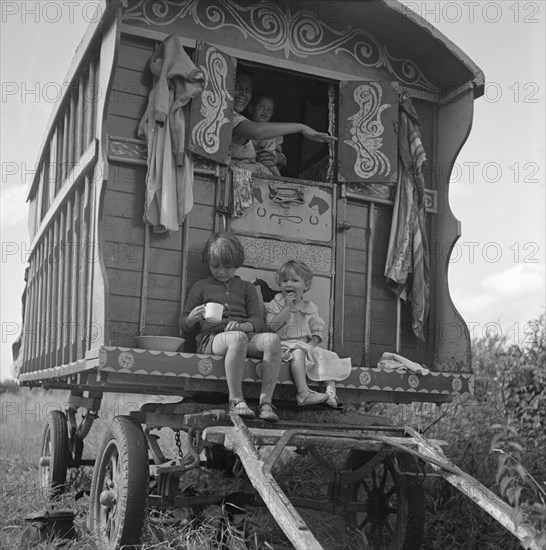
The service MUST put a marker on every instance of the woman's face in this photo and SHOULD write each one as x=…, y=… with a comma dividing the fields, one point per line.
x=243, y=92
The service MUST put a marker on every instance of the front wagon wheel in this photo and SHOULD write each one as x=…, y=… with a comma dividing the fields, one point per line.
x=394, y=515
x=119, y=489
x=53, y=463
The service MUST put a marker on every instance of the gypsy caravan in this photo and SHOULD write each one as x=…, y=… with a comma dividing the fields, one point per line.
x=115, y=249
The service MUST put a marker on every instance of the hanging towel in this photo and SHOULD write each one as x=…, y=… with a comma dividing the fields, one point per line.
x=169, y=179
x=242, y=191
x=407, y=268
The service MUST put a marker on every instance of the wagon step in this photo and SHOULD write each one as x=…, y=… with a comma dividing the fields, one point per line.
x=317, y=438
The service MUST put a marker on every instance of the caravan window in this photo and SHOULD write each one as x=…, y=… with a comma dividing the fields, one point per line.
x=298, y=99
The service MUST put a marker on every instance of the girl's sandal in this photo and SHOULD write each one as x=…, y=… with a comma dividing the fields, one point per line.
x=332, y=400
x=241, y=409
x=311, y=398
x=266, y=411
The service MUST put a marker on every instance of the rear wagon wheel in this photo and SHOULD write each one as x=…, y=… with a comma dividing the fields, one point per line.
x=395, y=503
x=53, y=463
x=119, y=489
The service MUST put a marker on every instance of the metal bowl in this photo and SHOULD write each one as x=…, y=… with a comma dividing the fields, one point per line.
x=159, y=343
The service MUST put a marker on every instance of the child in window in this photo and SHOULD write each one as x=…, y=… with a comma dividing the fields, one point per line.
x=241, y=329
x=262, y=109
x=299, y=325
x=243, y=153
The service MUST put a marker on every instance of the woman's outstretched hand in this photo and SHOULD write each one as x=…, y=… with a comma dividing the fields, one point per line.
x=313, y=135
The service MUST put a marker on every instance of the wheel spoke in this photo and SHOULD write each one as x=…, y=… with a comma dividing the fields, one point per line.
x=384, y=479
x=116, y=472
x=363, y=524
x=365, y=485
x=389, y=527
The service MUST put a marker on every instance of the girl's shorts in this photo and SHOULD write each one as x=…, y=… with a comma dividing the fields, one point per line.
x=205, y=344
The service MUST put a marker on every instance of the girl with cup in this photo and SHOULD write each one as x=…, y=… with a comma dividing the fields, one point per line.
x=240, y=329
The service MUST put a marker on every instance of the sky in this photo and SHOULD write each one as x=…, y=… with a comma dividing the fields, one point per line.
x=497, y=190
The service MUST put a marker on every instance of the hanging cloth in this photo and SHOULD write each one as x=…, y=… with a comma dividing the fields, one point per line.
x=169, y=179
x=407, y=268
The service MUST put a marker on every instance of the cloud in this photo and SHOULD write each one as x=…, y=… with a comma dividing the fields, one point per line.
x=517, y=280
x=505, y=303
x=14, y=208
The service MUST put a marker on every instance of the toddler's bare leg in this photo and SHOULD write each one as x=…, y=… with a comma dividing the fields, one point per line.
x=297, y=366
x=268, y=346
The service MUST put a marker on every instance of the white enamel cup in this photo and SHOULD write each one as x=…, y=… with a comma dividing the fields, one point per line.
x=213, y=312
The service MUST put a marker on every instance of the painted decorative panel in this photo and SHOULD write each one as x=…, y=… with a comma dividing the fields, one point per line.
x=384, y=193
x=367, y=144
x=287, y=210
x=270, y=254
x=211, y=114
x=297, y=33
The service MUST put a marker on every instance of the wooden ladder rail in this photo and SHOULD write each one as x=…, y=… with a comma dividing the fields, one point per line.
x=240, y=442
x=473, y=489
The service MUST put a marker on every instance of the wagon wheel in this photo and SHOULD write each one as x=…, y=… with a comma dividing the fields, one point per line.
x=53, y=463
x=395, y=502
x=119, y=489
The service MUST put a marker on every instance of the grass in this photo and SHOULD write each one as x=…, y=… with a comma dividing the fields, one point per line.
x=452, y=520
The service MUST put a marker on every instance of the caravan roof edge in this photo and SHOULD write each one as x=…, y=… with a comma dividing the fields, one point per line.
x=478, y=81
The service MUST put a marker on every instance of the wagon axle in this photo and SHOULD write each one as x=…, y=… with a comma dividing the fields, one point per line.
x=108, y=498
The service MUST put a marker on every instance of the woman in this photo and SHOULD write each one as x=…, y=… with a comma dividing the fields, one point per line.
x=243, y=153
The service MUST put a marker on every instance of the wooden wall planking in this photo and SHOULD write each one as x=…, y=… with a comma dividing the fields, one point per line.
x=123, y=126
x=123, y=253
x=127, y=105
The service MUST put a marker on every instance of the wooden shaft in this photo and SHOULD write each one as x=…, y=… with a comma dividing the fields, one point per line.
x=481, y=495
x=240, y=442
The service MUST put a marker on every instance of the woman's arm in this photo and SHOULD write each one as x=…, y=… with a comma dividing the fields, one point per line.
x=247, y=129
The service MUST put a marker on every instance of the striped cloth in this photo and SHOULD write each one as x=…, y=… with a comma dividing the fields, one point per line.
x=407, y=268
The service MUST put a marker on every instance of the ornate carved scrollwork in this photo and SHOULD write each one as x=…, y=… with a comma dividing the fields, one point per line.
x=298, y=33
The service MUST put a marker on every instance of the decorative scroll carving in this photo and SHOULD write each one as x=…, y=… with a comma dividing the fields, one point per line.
x=366, y=129
x=281, y=28
x=206, y=132
x=385, y=193
x=134, y=151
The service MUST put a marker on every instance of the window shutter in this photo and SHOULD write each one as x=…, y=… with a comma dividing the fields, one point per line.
x=368, y=141
x=210, y=122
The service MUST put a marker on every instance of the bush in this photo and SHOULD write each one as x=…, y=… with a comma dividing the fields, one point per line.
x=9, y=386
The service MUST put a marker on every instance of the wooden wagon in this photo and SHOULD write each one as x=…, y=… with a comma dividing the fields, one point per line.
x=99, y=276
